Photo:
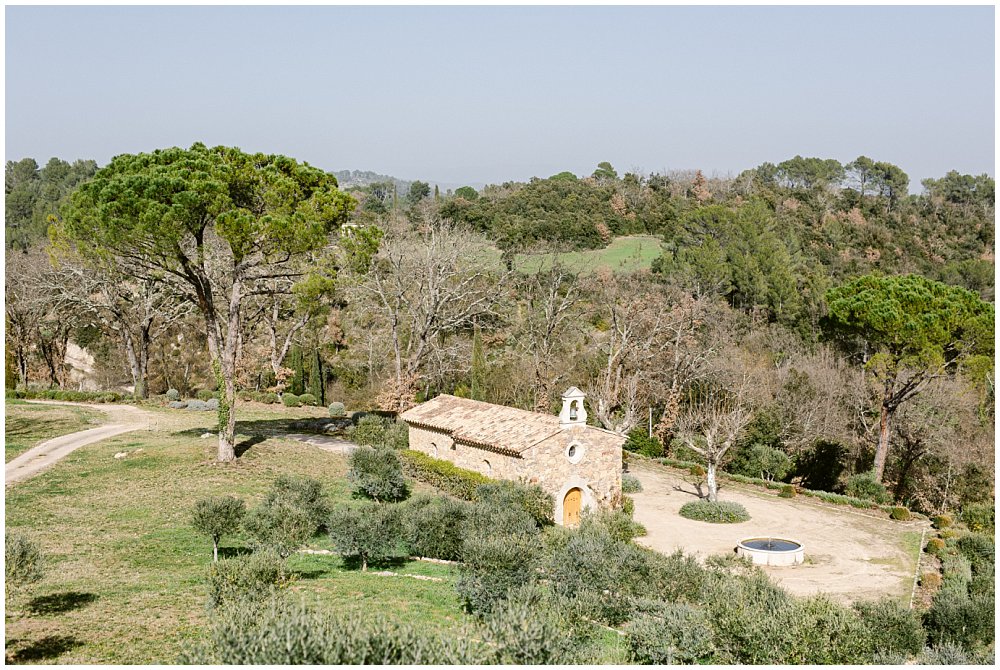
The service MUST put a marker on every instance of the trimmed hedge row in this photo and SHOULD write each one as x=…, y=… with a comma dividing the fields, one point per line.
x=67, y=396
x=826, y=496
x=441, y=474
x=715, y=512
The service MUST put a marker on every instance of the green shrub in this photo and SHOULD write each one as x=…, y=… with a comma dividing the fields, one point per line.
x=628, y=506
x=290, y=400
x=979, y=517
x=893, y=628
x=67, y=396
x=787, y=491
x=245, y=579
x=337, y=410
x=673, y=578
x=289, y=633
x=900, y=514
x=956, y=617
x=640, y=442
x=173, y=395
x=281, y=527
x=205, y=394
x=303, y=493
x=980, y=549
x=308, y=399
x=530, y=627
x=538, y=504
x=677, y=634
x=433, y=526
x=947, y=653
x=764, y=462
x=492, y=565
x=378, y=474
x=443, y=475
x=631, y=484
x=931, y=580
x=270, y=398
x=866, y=487
x=942, y=521
x=715, y=512
x=23, y=564
x=696, y=471
x=375, y=431
x=935, y=546
x=368, y=532
x=215, y=517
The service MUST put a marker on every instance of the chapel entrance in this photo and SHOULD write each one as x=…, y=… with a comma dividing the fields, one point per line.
x=571, y=507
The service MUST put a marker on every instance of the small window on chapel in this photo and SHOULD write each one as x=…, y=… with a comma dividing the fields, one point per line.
x=574, y=452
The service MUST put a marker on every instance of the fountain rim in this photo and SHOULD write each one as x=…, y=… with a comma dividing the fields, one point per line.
x=799, y=546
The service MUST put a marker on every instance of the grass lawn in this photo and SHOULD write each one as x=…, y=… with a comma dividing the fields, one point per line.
x=624, y=254
x=125, y=574
x=29, y=425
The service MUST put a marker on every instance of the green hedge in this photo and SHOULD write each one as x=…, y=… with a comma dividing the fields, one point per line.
x=826, y=496
x=443, y=475
x=67, y=396
x=715, y=512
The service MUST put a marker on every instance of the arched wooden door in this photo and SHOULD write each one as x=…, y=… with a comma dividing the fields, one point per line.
x=571, y=507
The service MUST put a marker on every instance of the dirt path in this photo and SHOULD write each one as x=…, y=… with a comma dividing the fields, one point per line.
x=123, y=419
x=849, y=556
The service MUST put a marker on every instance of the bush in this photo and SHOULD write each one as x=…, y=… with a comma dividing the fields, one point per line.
x=942, y=521
x=198, y=406
x=66, y=396
x=980, y=549
x=787, y=491
x=22, y=561
x=715, y=512
x=282, y=527
x=173, y=395
x=628, y=506
x=866, y=487
x=948, y=654
x=493, y=565
x=337, y=410
x=253, y=578
x=303, y=493
x=215, y=517
x=290, y=400
x=378, y=474
x=930, y=580
x=178, y=404
x=958, y=618
x=270, y=398
x=764, y=462
x=281, y=634
x=530, y=498
x=205, y=394
x=443, y=475
x=212, y=404
x=900, y=514
x=677, y=634
x=893, y=628
x=979, y=517
x=935, y=546
x=528, y=628
x=375, y=431
x=696, y=471
x=640, y=442
x=368, y=532
x=432, y=526
x=631, y=484
x=308, y=399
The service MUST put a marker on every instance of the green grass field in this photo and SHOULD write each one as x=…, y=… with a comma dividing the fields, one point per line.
x=125, y=573
x=624, y=254
x=28, y=425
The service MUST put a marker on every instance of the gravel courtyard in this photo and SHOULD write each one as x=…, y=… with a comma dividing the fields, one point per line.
x=849, y=555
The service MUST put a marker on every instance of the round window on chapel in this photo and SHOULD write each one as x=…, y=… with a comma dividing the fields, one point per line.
x=572, y=451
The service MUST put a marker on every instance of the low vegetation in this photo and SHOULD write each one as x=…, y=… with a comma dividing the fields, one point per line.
x=715, y=512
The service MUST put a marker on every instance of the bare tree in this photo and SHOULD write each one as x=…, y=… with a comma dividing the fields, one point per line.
x=711, y=425
x=423, y=287
x=23, y=309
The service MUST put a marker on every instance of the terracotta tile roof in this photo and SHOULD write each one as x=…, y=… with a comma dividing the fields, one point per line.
x=482, y=424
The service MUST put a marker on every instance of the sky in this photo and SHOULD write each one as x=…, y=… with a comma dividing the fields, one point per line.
x=459, y=95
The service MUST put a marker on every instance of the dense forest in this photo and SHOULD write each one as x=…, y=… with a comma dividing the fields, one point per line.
x=783, y=291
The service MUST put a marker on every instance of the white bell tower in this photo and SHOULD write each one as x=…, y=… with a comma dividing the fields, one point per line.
x=573, y=412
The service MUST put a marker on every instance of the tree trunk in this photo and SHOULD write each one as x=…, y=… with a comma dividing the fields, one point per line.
x=215, y=550
x=713, y=486
x=882, y=451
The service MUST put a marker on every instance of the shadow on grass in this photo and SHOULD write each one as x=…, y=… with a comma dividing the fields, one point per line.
x=354, y=563
x=233, y=552
x=46, y=648
x=244, y=446
x=57, y=603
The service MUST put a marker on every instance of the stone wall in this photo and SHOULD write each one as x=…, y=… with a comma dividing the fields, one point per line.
x=489, y=463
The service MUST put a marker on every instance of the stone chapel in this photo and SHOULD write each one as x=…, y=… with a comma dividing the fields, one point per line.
x=580, y=465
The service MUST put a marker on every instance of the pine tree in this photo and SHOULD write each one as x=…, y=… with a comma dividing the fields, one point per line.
x=316, y=385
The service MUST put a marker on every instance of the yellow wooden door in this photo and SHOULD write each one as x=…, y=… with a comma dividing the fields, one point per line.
x=571, y=507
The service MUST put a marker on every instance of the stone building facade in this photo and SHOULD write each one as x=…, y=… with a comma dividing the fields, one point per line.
x=580, y=465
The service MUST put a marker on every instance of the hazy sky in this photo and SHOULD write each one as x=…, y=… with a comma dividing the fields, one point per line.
x=481, y=94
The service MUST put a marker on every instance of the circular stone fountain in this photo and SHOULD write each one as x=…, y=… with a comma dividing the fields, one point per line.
x=771, y=551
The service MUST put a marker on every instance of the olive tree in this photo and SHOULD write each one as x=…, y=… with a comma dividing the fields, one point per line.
x=215, y=223
x=216, y=517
